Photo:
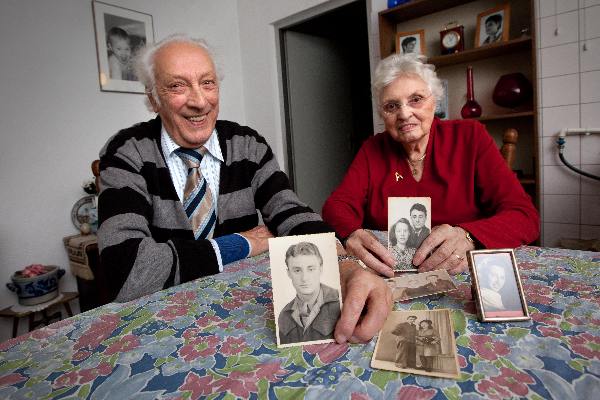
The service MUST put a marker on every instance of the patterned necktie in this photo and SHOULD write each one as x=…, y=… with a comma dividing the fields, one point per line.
x=197, y=197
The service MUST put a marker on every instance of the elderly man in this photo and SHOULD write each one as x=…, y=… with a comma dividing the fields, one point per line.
x=180, y=193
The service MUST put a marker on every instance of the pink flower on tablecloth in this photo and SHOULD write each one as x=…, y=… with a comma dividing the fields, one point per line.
x=207, y=320
x=492, y=390
x=183, y=297
x=515, y=381
x=462, y=361
x=586, y=345
x=269, y=371
x=233, y=345
x=11, y=379
x=536, y=293
x=199, y=386
x=546, y=318
x=524, y=265
x=230, y=304
x=571, y=286
x=359, y=396
x=173, y=311
x=81, y=355
x=42, y=333
x=412, y=392
x=192, y=333
x=462, y=292
x=550, y=331
x=125, y=343
x=65, y=380
x=327, y=352
x=9, y=343
x=88, y=375
x=240, y=384
x=202, y=346
x=98, y=332
x=243, y=295
x=488, y=348
x=574, y=321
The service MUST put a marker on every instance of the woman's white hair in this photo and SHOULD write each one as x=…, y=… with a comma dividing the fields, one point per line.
x=397, y=65
x=144, y=62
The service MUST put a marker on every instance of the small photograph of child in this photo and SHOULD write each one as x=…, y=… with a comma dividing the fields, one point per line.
x=306, y=288
x=124, y=37
x=409, y=223
x=492, y=26
x=410, y=42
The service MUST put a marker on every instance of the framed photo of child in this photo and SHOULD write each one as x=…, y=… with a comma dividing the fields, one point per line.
x=120, y=34
x=410, y=42
x=496, y=284
x=493, y=26
x=306, y=288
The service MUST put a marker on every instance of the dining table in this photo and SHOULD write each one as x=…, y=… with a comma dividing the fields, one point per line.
x=214, y=337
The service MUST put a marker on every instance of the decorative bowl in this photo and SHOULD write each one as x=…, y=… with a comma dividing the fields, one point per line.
x=36, y=289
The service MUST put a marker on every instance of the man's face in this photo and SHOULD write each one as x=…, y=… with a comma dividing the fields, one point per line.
x=305, y=272
x=418, y=218
x=188, y=93
x=491, y=28
x=411, y=320
x=120, y=48
x=410, y=47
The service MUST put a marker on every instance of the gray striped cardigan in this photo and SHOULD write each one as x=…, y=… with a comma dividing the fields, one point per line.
x=145, y=240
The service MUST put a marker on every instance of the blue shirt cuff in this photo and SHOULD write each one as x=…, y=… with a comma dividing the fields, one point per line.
x=232, y=248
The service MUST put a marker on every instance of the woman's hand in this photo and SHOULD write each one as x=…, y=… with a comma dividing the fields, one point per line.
x=449, y=245
x=364, y=245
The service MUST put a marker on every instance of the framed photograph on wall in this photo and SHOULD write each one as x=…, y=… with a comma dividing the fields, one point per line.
x=120, y=34
x=496, y=284
x=410, y=42
x=493, y=26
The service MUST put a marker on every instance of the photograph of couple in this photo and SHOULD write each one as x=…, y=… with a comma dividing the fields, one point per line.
x=405, y=235
x=419, y=342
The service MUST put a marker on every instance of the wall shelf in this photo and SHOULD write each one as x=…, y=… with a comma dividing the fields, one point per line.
x=480, y=53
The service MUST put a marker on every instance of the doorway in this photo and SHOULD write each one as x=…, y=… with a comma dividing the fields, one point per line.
x=327, y=98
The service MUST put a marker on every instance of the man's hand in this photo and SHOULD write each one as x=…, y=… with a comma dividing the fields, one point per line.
x=362, y=291
x=449, y=245
x=364, y=245
x=258, y=239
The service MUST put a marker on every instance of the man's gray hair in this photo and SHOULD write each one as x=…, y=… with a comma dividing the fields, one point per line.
x=144, y=61
x=397, y=65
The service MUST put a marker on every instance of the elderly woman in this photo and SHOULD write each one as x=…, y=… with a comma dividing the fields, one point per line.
x=400, y=232
x=476, y=200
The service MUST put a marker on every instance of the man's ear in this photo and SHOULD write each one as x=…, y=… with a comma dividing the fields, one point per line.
x=152, y=101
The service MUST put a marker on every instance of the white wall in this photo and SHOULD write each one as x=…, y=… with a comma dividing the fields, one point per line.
x=569, y=83
x=54, y=119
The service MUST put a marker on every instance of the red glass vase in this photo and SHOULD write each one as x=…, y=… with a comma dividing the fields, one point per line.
x=471, y=109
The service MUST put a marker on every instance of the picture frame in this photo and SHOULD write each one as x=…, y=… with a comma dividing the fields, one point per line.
x=441, y=108
x=296, y=279
x=120, y=33
x=426, y=348
x=493, y=26
x=410, y=42
x=496, y=284
x=409, y=223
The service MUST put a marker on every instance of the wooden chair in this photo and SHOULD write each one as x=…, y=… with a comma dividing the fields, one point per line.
x=509, y=146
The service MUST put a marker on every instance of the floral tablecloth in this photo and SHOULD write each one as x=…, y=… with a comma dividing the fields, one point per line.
x=215, y=337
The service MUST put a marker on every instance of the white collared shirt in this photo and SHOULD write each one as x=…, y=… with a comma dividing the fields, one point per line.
x=210, y=166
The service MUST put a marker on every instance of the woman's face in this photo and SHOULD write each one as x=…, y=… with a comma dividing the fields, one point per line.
x=423, y=325
x=402, y=233
x=496, y=278
x=408, y=124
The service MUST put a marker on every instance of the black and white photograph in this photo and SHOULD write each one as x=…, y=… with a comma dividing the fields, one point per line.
x=492, y=26
x=409, y=223
x=120, y=34
x=418, y=342
x=306, y=288
x=411, y=286
x=497, y=285
x=410, y=42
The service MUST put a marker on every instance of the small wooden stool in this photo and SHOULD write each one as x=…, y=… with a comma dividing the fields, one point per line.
x=46, y=319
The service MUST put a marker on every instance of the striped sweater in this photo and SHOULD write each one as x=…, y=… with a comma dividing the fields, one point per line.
x=145, y=239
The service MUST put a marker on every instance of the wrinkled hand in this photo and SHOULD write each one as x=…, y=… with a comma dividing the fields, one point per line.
x=362, y=291
x=258, y=238
x=449, y=245
x=364, y=245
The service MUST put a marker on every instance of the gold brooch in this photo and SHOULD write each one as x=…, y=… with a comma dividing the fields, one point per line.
x=398, y=177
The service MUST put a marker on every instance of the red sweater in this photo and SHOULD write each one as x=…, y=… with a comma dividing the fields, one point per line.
x=464, y=174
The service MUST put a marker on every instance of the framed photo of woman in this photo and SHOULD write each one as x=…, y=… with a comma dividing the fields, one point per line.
x=493, y=26
x=410, y=42
x=496, y=284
